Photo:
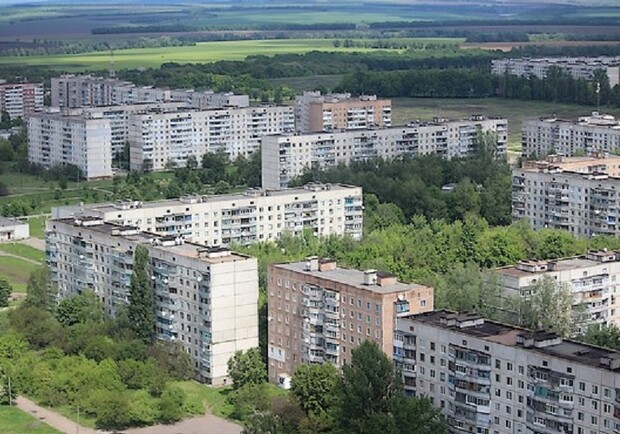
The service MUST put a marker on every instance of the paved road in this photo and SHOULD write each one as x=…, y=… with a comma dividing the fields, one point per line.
x=208, y=424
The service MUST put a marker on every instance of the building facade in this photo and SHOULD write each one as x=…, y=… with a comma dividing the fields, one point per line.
x=578, y=67
x=77, y=91
x=159, y=139
x=316, y=112
x=205, y=298
x=56, y=140
x=575, y=194
x=21, y=99
x=319, y=312
x=245, y=218
x=13, y=230
x=588, y=134
x=491, y=378
x=591, y=279
x=285, y=157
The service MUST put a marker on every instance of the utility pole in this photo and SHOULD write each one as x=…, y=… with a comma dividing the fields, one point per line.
x=10, y=396
x=77, y=426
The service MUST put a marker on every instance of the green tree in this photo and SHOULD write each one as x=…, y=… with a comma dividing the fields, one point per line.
x=417, y=416
x=41, y=292
x=5, y=292
x=603, y=336
x=83, y=308
x=315, y=387
x=172, y=358
x=263, y=422
x=549, y=307
x=247, y=368
x=113, y=409
x=171, y=405
x=141, y=309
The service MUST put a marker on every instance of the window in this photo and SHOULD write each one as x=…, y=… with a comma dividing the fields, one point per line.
x=594, y=390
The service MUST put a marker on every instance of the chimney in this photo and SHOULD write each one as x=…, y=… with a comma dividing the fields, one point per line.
x=370, y=277
x=327, y=264
x=312, y=263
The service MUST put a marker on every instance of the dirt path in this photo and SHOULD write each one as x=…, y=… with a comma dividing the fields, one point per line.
x=37, y=243
x=51, y=418
x=207, y=424
x=32, y=261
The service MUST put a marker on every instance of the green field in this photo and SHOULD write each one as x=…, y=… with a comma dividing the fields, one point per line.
x=24, y=251
x=15, y=421
x=16, y=271
x=406, y=110
x=37, y=227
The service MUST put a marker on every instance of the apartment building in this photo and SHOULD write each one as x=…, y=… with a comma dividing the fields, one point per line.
x=316, y=112
x=577, y=194
x=577, y=67
x=587, y=134
x=285, y=157
x=76, y=91
x=488, y=377
x=591, y=279
x=54, y=139
x=205, y=298
x=21, y=99
x=319, y=312
x=159, y=139
x=244, y=218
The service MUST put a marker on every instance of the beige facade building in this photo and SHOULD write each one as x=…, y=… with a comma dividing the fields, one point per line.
x=54, y=139
x=587, y=135
x=578, y=67
x=21, y=99
x=576, y=194
x=244, y=218
x=319, y=312
x=591, y=279
x=285, y=157
x=205, y=298
x=492, y=378
x=316, y=112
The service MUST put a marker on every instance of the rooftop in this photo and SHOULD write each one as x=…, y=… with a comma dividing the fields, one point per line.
x=172, y=244
x=352, y=277
x=7, y=221
x=541, y=342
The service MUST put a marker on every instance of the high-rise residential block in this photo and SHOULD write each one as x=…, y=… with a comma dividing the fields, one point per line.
x=586, y=135
x=205, y=298
x=285, y=157
x=56, y=140
x=160, y=139
x=319, y=312
x=243, y=218
x=578, y=194
x=492, y=378
x=21, y=99
x=316, y=112
x=578, y=67
x=591, y=279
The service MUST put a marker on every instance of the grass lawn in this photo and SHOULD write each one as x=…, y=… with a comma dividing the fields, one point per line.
x=16, y=271
x=15, y=421
x=405, y=110
x=24, y=251
x=37, y=227
x=203, y=52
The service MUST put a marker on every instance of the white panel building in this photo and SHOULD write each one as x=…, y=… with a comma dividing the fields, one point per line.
x=54, y=139
x=285, y=157
x=205, y=298
x=244, y=218
x=21, y=99
x=157, y=139
x=588, y=134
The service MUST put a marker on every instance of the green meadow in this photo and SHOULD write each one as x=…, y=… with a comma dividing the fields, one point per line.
x=203, y=52
x=15, y=421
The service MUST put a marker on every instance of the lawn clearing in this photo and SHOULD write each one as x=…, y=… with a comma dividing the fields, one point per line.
x=405, y=110
x=24, y=251
x=37, y=227
x=215, y=399
x=16, y=271
x=15, y=421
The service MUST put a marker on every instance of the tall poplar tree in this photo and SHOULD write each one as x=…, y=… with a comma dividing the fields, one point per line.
x=141, y=310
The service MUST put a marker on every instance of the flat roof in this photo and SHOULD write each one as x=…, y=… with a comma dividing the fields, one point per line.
x=505, y=334
x=560, y=265
x=350, y=277
x=309, y=188
x=186, y=249
x=8, y=221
